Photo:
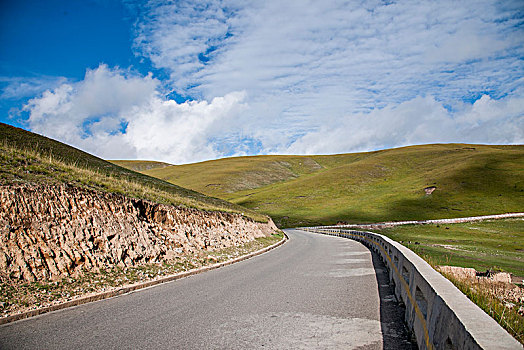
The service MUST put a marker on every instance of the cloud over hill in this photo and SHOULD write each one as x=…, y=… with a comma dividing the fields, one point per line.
x=300, y=77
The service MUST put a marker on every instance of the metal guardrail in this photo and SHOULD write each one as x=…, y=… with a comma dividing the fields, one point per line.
x=437, y=312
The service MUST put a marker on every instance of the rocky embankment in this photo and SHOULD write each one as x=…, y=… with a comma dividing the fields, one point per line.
x=50, y=232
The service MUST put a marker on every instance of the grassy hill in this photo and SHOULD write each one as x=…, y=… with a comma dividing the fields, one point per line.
x=224, y=177
x=28, y=157
x=365, y=187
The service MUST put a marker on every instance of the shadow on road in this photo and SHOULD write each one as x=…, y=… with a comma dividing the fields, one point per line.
x=395, y=334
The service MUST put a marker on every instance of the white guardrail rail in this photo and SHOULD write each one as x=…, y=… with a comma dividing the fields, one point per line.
x=437, y=312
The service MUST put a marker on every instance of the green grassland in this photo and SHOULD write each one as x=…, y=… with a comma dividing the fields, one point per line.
x=26, y=157
x=494, y=244
x=224, y=177
x=365, y=187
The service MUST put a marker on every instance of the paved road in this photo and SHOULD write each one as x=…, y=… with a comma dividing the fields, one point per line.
x=314, y=292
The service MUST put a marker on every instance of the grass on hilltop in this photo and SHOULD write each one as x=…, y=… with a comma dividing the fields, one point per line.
x=365, y=187
x=26, y=157
x=224, y=177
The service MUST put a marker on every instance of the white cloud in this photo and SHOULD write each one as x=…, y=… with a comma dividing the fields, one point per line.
x=180, y=133
x=315, y=77
x=116, y=114
x=180, y=33
x=77, y=112
x=20, y=87
x=370, y=53
x=308, y=64
x=419, y=121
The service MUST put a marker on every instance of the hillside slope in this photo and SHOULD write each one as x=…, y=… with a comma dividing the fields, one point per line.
x=28, y=157
x=67, y=213
x=365, y=187
x=223, y=177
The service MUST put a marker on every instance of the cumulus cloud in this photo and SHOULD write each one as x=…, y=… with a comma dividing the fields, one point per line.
x=86, y=113
x=419, y=121
x=117, y=114
x=181, y=133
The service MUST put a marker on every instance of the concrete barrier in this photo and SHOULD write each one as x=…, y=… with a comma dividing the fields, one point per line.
x=437, y=312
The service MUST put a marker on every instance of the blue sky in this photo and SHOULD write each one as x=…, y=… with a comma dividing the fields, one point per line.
x=45, y=43
x=185, y=81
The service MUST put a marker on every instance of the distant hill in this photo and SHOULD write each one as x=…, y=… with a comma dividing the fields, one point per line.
x=365, y=187
x=225, y=176
x=28, y=157
x=139, y=165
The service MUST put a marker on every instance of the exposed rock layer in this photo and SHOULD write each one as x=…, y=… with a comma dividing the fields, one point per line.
x=49, y=232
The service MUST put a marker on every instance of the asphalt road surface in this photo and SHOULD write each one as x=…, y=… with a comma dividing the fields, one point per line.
x=314, y=292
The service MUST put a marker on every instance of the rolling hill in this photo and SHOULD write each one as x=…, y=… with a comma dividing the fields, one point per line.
x=364, y=187
x=28, y=157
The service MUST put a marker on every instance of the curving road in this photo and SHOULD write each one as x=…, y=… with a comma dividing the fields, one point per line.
x=314, y=292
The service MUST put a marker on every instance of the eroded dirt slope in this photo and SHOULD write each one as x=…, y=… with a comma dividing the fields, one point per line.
x=53, y=231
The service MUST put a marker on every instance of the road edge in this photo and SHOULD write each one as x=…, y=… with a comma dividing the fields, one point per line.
x=437, y=312
x=137, y=286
